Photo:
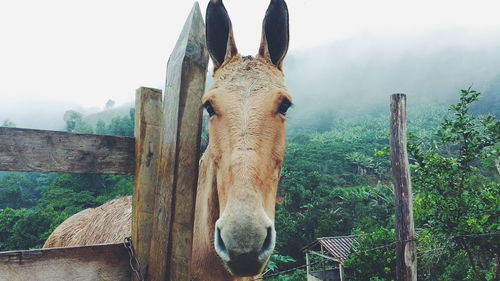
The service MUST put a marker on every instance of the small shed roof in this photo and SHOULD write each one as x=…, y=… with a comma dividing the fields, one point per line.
x=339, y=247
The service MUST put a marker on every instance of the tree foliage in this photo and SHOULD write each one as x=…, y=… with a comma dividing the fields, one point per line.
x=456, y=199
x=456, y=203
x=373, y=257
x=9, y=124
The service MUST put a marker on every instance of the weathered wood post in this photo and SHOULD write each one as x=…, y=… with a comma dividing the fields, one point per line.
x=406, y=254
x=171, y=241
x=148, y=114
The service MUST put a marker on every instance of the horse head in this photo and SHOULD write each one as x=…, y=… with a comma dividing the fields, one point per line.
x=247, y=104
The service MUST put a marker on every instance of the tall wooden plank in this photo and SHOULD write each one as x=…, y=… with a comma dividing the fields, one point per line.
x=101, y=262
x=27, y=150
x=406, y=254
x=148, y=114
x=171, y=245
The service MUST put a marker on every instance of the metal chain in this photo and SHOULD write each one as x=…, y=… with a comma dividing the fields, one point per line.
x=134, y=263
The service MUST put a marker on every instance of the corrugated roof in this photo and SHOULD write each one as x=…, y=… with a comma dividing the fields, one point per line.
x=339, y=247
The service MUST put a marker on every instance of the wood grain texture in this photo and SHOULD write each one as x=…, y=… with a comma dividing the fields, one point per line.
x=406, y=253
x=148, y=114
x=27, y=150
x=92, y=263
x=171, y=245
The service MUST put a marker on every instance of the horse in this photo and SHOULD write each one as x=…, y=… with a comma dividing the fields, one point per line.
x=239, y=172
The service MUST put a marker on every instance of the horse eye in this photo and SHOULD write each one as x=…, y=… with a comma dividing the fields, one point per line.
x=284, y=106
x=209, y=108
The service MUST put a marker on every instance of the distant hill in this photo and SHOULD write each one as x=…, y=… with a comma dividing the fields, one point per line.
x=41, y=114
x=489, y=102
x=362, y=72
x=108, y=114
x=348, y=76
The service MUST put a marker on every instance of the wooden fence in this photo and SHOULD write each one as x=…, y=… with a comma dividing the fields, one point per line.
x=163, y=156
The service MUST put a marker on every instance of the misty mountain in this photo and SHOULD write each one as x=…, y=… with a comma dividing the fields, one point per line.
x=41, y=114
x=348, y=77
x=108, y=114
x=362, y=72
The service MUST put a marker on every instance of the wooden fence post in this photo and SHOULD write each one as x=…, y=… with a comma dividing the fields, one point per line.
x=148, y=114
x=406, y=253
x=171, y=244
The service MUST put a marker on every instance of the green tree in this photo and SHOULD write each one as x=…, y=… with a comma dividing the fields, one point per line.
x=109, y=104
x=8, y=123
x=275, y=265
x=455, y=198
x=10, y=196
x=29, y=230
x=75, y=124
x=438, y=260
x=374, y=256
x=8, y=218
x=17, y=190
x=122, y=126
x=100, y=128
x=66, y=200
x=83, y=128
x=72, y=119
x=25, y=228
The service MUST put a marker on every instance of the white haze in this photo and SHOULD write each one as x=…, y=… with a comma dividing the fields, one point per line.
x=57, y=55
x=361, y=72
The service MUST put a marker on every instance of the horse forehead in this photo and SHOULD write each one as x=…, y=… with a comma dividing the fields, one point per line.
x=248, y=75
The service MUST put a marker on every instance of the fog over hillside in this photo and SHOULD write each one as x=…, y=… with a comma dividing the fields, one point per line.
x=363, y=71
x=39, y=114
x=351, y=75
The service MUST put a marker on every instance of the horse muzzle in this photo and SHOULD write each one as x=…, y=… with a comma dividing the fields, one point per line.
x=244, y=243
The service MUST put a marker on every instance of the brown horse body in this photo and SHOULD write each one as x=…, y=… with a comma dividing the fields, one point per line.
x=239, y=172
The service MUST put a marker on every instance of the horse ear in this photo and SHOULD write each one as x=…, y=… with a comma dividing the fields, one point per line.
x=219, y=32
x=275, y=33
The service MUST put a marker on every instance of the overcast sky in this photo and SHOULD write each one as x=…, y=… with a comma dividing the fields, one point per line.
x=86, y=52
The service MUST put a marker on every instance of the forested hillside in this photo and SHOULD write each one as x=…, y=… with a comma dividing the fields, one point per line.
x=335, y=181
x=33, y=204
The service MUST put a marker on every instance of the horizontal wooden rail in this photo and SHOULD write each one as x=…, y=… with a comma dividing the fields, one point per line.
x=27, y=150
x=101, y=262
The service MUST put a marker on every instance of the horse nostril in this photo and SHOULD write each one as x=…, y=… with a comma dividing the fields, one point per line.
x=221, y=242
x=267, y=242
x=220, y=247
x=268, y=245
